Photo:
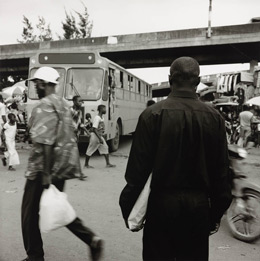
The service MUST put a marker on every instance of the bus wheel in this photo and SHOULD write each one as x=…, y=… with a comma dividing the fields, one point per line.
x=114, y=143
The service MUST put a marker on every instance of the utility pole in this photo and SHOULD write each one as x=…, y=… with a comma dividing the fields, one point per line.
x=209, y=20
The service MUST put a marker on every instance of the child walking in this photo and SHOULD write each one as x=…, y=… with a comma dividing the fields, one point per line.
x=97, y=142
x=11, y=154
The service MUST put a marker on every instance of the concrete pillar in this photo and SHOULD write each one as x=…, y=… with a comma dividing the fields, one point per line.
x=253, y=63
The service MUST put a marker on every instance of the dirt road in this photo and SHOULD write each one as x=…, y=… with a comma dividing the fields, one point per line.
x=96, y=203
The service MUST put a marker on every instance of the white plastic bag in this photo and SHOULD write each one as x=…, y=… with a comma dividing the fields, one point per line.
x=55, y=210
x=136, y=218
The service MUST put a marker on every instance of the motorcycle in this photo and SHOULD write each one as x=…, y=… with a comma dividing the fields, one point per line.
x=243, y=215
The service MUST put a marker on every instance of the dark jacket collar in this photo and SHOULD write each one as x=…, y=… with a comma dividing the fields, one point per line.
x=183, y=94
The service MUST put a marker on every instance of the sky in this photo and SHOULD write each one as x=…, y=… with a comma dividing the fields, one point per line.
x=116, y=17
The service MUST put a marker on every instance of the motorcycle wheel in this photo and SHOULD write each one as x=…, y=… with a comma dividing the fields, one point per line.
x=243, y=216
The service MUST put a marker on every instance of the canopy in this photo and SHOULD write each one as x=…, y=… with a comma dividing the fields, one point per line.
x=254, y=101
x=4, y=95
x=16, y=89
x=202, y=86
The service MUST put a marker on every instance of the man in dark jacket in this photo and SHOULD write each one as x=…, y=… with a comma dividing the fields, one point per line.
x=182, y=142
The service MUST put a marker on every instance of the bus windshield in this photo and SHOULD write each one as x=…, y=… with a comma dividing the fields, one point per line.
x=85, y=82
x=59, y=87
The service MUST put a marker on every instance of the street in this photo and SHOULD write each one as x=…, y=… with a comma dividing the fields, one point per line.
x=96, y=203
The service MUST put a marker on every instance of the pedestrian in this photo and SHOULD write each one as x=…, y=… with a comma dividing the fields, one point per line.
x=246, y=117
x=182, y=142
x=2, y=115
x=53, y=159
x=97, y=141
x=77, y=124
x=88, y=124
x=9, y=131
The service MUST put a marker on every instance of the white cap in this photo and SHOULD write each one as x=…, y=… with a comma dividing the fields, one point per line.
x=47, y=74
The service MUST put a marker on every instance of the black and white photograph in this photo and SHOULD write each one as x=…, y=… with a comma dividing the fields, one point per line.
x=130, y=130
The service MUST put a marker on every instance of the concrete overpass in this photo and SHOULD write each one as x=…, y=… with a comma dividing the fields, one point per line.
x=228, y=44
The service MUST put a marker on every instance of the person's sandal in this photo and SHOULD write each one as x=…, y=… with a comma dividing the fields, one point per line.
x=110, y=166
x=96, y=248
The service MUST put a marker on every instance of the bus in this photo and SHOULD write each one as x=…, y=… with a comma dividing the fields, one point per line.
x=96, y=80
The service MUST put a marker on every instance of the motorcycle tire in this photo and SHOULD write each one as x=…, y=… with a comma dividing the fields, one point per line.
x=244, y=219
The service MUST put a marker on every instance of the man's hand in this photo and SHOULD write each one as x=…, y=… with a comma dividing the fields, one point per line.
x=133, y=230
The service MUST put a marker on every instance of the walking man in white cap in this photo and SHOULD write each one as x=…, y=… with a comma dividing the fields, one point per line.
x=53, y=159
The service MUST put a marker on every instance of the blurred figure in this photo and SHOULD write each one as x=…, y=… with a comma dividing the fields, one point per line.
x=246, y=117
x=53, y=159
x=11, y=154
x=88, y=124
x=76, y=114
x=2, y=114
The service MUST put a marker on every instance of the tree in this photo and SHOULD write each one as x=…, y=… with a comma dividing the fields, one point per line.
x=27, y=35
x=69, y=26
x=45, y=33
x=73, y=28
x=82, y=29
x=85, y=26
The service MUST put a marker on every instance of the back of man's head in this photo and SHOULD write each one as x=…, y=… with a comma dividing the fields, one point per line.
x=184, y=71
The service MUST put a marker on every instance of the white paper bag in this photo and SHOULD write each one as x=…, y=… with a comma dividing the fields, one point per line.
x=136, y=218
x=55, y=210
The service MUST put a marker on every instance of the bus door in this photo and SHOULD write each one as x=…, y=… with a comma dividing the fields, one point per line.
x=112, y=97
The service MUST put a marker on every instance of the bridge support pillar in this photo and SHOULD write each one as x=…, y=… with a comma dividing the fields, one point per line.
x=253, y=63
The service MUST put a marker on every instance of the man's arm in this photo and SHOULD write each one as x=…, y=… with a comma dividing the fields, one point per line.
x=221, y=196
x=97, y=134
x=139, y=166
x=43, y=130
x=86, y=131
x=48, y=162
x=95, y=130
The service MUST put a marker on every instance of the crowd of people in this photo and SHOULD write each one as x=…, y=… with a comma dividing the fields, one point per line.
x=241, y=120
x=181, y=141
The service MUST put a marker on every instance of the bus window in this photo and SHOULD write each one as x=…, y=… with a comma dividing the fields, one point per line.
x=142, y=88
x=32, y=94
x=85, y=82
x=105, y=88
x=139, y=87
x=112, y=78
x=132, y=83
x=121, y=79
x=129, y=82
x=147, y=90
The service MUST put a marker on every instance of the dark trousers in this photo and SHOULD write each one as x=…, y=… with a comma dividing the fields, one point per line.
x=177, y=227
x=30, y=220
